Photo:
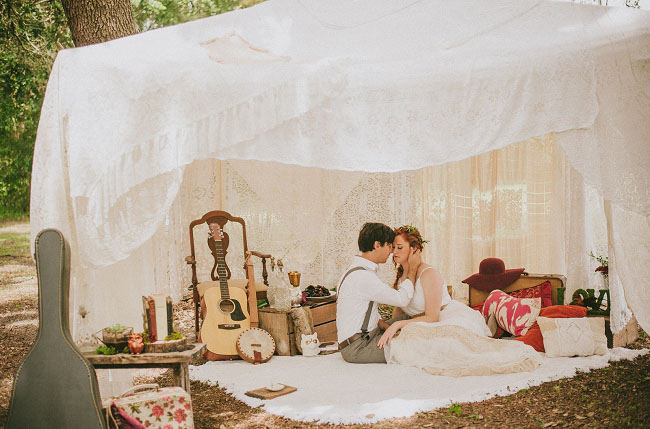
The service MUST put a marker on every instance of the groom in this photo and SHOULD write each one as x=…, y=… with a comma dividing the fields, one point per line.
x=360, y=290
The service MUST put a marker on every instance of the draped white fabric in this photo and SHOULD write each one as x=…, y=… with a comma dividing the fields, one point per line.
x=333, y=113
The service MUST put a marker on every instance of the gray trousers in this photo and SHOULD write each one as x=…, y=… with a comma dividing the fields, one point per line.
x=364, y=349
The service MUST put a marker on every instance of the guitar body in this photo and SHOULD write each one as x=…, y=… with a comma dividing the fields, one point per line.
x=55, y=385
x=226, y=309
x=220, y=331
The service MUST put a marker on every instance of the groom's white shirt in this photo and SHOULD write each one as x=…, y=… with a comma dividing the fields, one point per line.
x=359, y=288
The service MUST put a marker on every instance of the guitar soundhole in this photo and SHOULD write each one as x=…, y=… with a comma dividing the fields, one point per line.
x=227, y=306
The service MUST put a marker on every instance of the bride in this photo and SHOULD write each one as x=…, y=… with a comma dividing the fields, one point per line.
x=441, y=335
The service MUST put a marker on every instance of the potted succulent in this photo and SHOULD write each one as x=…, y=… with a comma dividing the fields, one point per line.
x=116, y=336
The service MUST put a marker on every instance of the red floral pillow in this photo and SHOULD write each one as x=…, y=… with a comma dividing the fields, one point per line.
x=534, y=335
x=542, y=290
x=514, y=315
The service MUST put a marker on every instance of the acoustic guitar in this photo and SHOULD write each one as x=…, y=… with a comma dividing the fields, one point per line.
x=226, y=310
x=55, y=385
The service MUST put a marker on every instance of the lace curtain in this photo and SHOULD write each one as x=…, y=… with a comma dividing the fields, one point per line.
x=523, y=203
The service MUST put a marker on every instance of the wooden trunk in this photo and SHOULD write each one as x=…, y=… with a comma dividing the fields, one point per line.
x=280, y=325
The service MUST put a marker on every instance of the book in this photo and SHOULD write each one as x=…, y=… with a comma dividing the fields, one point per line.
x=151, y=311
x=170, y=316
x=157, y=316
x=160, y=301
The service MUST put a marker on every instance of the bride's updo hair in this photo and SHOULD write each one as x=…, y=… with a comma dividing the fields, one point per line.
x=414, y=239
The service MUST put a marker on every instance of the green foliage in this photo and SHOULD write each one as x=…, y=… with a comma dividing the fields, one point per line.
x=106, y=350
x=455, y=409
x=152, y=14
x=15, y=244
x=174, y=336
x=31, y=34
x=116, y=328
x=602, y=260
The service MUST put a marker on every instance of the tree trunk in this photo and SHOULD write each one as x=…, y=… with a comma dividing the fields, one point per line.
x=96, y=21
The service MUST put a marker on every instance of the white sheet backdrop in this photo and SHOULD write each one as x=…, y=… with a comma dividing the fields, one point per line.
x=358, y=101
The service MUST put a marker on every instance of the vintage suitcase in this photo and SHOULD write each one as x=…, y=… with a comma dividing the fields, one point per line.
x=558, y=283
x=151, y=406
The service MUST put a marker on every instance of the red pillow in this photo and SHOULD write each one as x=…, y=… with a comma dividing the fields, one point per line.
x=534, y=335
x=479, y=307
x=542, y=290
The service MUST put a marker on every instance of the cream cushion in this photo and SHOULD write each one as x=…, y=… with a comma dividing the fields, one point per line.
x=240, y=283
x=582, y=336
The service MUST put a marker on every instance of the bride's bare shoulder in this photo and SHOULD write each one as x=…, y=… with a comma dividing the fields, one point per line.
x=427, y=272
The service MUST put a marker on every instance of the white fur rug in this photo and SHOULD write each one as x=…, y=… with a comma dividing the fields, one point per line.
x=331, y=390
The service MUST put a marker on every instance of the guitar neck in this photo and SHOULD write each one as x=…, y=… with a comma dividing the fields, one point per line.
x=221, y=270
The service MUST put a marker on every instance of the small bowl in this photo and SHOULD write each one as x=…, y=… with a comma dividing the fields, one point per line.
x=275, y=387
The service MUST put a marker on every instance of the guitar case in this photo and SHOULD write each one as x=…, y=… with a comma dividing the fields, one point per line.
x=55, y=386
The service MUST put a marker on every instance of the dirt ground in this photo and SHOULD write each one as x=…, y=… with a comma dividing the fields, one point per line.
x=615, y=396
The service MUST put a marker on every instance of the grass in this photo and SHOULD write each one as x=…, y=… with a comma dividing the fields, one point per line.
x=14, y=244
x=9, y=217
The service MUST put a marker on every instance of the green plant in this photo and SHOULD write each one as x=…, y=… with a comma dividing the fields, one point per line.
x=602, y=260
x=262, y=303
x=106, y=350
x=455, y=409
x=174, y=336
x=116, y=328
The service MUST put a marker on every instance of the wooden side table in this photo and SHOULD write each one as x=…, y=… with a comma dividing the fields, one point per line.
x=627, y=335
x=178, y=361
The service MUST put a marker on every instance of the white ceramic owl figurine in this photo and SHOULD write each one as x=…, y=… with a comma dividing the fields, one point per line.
x=309, y=344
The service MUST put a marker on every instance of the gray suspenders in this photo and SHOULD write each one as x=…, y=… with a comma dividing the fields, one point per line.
x=366, y=320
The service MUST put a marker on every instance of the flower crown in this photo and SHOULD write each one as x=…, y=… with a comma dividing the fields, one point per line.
x=411, y=228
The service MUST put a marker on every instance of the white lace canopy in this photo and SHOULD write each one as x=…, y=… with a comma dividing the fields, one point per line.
x=308, y=118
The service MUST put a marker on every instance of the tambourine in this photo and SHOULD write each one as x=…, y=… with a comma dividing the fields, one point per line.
x=255, y=345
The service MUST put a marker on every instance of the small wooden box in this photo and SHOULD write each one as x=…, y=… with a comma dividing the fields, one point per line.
x=280, y=325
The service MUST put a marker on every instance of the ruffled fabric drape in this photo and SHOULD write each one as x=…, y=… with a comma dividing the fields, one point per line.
x=320, y=118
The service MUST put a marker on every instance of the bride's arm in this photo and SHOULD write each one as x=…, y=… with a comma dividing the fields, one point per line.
x=432, y=283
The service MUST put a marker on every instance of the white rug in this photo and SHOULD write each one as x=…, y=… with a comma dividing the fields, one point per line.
x=331, y=390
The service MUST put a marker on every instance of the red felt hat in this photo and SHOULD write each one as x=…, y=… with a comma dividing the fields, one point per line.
x=492, y=274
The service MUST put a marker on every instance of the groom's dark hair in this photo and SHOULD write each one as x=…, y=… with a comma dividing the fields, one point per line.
x=371, y=232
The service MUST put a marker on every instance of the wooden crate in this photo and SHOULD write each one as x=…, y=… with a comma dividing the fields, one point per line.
x=324, y=317
x=280, y=325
